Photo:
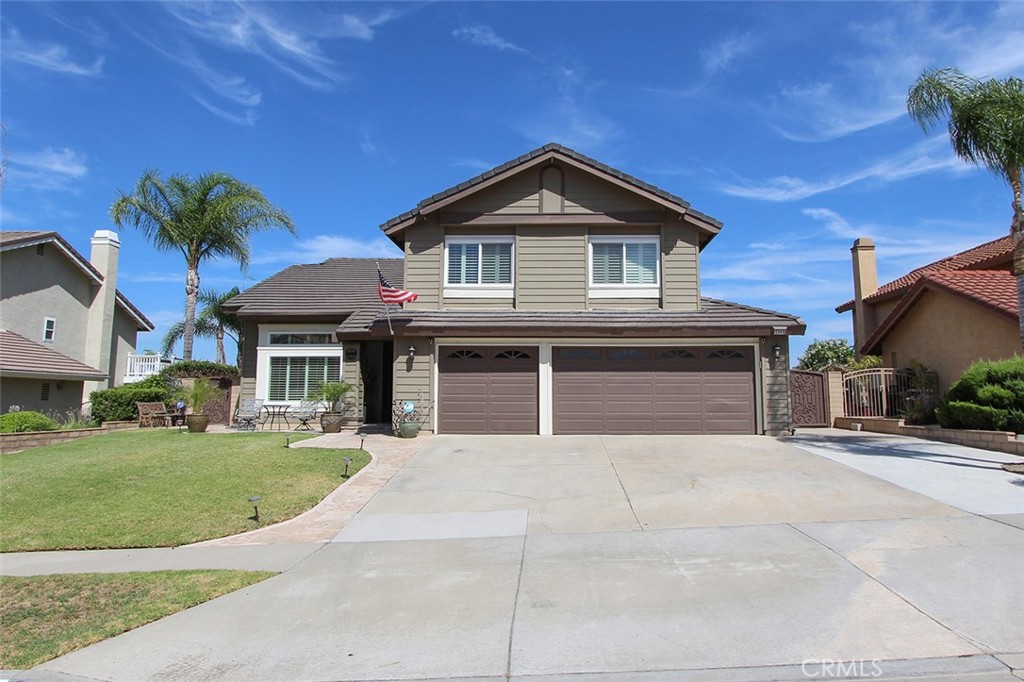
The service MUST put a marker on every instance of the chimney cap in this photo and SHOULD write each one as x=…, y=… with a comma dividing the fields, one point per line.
x=863, y=243
x=106, y=236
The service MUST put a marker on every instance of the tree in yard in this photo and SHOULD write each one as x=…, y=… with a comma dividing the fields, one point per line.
x=213, y=215
x=985, y=120
x=826, y=354
x=212, y=322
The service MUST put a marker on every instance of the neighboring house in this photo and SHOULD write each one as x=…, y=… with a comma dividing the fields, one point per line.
x=557, y=295
x=66, y=330
x=945, y=315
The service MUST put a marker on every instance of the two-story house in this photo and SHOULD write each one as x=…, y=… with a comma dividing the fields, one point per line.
x=65, y=329
x=557, y=295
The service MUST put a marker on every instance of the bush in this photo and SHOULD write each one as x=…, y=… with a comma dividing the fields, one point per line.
x=972, y=386
x=959, y=415
x=193, y=369
x=118, y=404
x=26, y=420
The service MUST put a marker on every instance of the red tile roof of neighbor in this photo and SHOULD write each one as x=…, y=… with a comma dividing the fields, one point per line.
x=984, y=256
x=993, y=289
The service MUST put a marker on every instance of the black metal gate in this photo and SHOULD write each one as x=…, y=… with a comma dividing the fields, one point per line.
x=808, y=398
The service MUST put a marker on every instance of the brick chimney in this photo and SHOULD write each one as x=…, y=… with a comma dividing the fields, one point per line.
x=100, y=332
x=865, y=283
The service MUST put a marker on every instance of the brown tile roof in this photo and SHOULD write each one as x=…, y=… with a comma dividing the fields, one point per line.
x=11, y=239
x=992, y=289
x=715, y=318
x=336, y=287
x=20, y=357
x=552, y=147
x=981, y=257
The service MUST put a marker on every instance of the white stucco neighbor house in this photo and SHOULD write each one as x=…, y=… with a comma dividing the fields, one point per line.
x=65, y=329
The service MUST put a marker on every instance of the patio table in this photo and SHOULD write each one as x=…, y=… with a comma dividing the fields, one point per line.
x=275, y=415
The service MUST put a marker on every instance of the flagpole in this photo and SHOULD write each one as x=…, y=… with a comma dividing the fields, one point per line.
x=387, y=310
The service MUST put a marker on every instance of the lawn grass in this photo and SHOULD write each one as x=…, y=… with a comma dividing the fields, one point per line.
x=158, y=488
x=48, y=616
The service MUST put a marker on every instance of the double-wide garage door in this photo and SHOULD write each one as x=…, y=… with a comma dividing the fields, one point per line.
x=620, y=390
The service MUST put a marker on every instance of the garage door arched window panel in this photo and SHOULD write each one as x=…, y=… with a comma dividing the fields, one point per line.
x=725, y=354
x=677, y=354
x=578, y=354
x=628, y=354
x=465, y=354
x=512, y=355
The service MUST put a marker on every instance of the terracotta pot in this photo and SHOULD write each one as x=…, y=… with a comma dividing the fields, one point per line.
x=331, y=422
x=197, y=423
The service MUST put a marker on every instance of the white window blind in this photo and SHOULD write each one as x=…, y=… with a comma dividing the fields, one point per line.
x=480, y=263
x=295, y=378
x=632, y=263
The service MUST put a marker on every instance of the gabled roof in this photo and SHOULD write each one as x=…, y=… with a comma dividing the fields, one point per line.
x=334, y=288
x=995, y=290
x=537, y=156
x=714, y=318
x=10, y=240
x=984, y=256
x=21, y=358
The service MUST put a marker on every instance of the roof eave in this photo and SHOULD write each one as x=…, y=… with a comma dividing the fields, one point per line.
x=16, y=373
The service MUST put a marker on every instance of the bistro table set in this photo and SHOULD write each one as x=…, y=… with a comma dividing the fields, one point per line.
x=254, y=412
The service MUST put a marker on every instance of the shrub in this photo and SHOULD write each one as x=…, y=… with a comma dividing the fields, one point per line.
x=972, y=385
x=193, y=369
x=26, y=420
x=971, y=416
x=118, y=404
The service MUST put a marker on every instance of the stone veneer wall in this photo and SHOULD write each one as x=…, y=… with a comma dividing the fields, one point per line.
x=16, y=442
x=1000, y=441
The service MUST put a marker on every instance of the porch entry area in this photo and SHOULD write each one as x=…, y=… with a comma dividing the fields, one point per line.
x=630, y=390
x=376, y=368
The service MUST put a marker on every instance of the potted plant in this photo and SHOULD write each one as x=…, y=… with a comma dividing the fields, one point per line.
x=196, y=396
x=330, y=393
x=406, y=417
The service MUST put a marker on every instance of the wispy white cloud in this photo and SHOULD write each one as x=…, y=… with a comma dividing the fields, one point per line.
x=46, y=56
x=722, y=54
x=928, y=156
x=571, y=117
x=48, y=169
x=484, y=36
x=471, y=163
x=247, y=117
x=323, y=246
x=868, y=86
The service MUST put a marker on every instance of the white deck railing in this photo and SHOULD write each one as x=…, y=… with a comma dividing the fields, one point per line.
x=142, y=366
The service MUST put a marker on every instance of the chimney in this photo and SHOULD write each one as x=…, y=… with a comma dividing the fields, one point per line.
x=865, y=283
x=100, y=332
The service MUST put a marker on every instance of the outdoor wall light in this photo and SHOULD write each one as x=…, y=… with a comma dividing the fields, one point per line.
x=777, y=351
x=255, y=502
x=412, y=351
x=348, y=463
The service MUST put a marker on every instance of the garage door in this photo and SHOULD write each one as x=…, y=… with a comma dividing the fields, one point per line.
x=640, y=390
x=487, y=389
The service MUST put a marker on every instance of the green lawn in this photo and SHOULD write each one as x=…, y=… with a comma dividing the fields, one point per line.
x=158, y=488
x=48, y=616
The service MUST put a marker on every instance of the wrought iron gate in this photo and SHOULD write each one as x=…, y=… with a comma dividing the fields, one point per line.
x=808, y=398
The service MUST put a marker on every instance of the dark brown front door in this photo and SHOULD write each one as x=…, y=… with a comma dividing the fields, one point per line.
x=487, y=389
x=642, y=390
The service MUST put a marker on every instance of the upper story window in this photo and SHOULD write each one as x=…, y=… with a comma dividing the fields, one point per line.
x=303, y=338
x=625, y=267
x=479, y=266
x=49, y=329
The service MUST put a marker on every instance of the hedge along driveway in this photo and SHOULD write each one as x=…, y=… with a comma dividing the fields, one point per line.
x=159, y=488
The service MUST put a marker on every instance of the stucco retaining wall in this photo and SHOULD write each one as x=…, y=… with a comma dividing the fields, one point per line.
x=16, y=442
x=1000, y=441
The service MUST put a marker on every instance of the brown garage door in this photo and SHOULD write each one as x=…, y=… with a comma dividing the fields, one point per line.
x=638, y=390
x=487, y=389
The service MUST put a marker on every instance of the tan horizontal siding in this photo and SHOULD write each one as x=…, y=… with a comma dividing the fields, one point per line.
x=585, y=193
x=413, y=375
x=478, y=303
x=424, y=256
x=775, y=386
x=551, y=267
x=517, y=194
x=680, y=266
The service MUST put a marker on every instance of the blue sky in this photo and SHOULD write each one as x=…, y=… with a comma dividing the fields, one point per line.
x=785, y=121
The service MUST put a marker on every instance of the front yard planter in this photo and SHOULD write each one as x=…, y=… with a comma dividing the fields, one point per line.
x=197, y=423
x=408, y=429
x=331, y=422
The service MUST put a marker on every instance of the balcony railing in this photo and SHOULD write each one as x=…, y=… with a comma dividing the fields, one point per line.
x=143, y=366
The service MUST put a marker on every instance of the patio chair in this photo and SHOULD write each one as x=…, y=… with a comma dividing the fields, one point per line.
x=248, y=413
x=305, y=413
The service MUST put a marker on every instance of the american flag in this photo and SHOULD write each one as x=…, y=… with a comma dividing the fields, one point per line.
x=390, y=294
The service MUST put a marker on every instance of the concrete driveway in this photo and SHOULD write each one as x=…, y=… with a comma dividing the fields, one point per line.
x=615, y=558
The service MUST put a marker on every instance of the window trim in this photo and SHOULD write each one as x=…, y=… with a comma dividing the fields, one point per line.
x=480, y=290
x=623, y=290
x=52, y=329
x=264, y=353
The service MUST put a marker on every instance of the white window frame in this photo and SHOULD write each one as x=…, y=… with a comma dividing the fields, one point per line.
x=481, y=290
x=623, y=290
x=47, y=327
x=264, y=351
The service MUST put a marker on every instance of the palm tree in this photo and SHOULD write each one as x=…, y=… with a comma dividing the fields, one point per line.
x=985, y=120
x=211, y=322
x=210, y=216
